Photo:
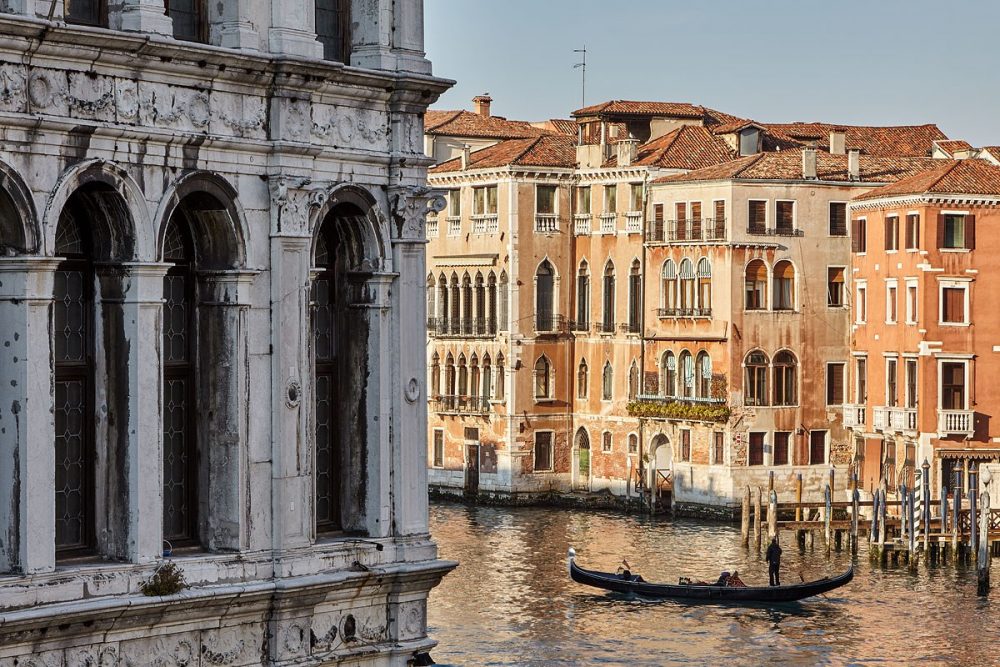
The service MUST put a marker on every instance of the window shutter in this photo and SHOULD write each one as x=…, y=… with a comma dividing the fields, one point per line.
x=855, y=232
x=970, y=232
x=940, y=231
x=658, y=212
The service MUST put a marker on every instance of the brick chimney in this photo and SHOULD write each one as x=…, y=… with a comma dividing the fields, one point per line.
x=466, y=156
x=854, y=165
x=809, y=163
x=482, y=104
x=838, y=141
x=628, y=149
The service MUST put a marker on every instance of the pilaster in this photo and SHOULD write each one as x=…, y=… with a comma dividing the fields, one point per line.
x=293, y=30
x=147, y=16
x=237, y=29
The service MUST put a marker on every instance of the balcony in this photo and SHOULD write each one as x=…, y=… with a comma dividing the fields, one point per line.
x=546, y=223
x=581, y=224
x=485, y=224
x=759, y=230
x=608, y=223
x=854, y=416
x=633, y=222
x=629, y=327
x=667, y=313
x=454, y=225
x=880, y=418
x=432, y=229
x=679, y=409
x=458, y=405
x=956, y=422
x=461, y=327
x=894, y=419
x=546, y=325
x=695, y=230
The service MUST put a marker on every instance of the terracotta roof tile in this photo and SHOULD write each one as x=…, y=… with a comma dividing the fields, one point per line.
x=463, y=123
x=632, y=108
x=547, y=150
x=951, y=146
x=903, y=140
x=948, y=177
x=993, y=150
x=687, y=147
x=787, y=165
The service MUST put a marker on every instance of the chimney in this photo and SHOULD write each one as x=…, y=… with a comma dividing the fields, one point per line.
x=466, y=155
x=809, y=163
x=854, y=165
x=482, y=104
x=627, y=151
x=838, y=142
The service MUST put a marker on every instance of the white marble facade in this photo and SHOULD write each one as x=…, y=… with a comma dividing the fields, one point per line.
x=270, y=157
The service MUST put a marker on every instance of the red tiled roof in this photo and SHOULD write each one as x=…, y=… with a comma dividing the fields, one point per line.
x=949, y=177
x=463, y=123
x=787, y=165
x=687, y=147
x=903, y=140
x=951, y=146
x=631, y=108
x=993, y=150
x=560, y=125
x=547, y=150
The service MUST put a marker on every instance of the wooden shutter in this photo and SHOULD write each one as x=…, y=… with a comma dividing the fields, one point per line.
x=720, y=210
x=940, y=230
x=835, y=384
x=970, y=232
x=784, y=211
x=658, y=212
x=855, y=234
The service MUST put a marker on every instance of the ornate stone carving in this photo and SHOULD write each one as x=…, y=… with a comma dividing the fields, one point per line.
x=42, y=89
x=291, y=202
x=412, y=391
x=410, y=206
x=412, y=620
x=294, y=638
x=11, y=88
x=159, y=652
x=213, y=657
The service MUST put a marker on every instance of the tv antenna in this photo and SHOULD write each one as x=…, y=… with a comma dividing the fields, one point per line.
x=582, y=65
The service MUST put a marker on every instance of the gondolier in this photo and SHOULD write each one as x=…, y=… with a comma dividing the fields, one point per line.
x=773, y=559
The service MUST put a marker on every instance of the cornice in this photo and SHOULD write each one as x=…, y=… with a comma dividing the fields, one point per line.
x=924, y=200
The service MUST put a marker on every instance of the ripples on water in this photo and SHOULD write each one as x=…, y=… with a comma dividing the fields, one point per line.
x=511, y=602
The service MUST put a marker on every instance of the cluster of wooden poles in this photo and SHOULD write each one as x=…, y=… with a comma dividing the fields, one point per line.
x=912, y=534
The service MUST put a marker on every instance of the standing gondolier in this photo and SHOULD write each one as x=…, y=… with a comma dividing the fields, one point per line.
x=773, y=559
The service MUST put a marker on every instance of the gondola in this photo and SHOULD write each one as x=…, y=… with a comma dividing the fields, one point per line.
x=631, y=583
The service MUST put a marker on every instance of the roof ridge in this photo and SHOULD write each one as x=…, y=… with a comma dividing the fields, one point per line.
x=453, y=116
x=534, y=142
x=954, y=164
x=751, y=162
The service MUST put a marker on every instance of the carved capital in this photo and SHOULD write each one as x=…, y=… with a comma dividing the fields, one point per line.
x=410, y=207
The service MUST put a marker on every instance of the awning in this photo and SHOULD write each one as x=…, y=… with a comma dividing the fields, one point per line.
x=977, y=454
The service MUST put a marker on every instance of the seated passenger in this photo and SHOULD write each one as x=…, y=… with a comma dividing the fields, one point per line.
x=723, y=579
x=735, y=581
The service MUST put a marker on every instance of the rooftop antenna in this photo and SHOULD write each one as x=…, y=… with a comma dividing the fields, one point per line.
x=583, y=67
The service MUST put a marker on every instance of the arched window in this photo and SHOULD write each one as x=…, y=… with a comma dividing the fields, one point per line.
x=480, y=310
x=543, y=378
x=544, y=286
x=455, y=326
x=491, y=295
x=687, y=287
x=450, y=383
x=474, y=376
x=189, y=18
x=442, y=312
x=633, y=382
x=633, y=443
x=755, y=392
x=502, y=303
x=582, y=379
x=687, y=374
x=431, y=304
x=634, y=296
x=755, y=286
x=436, y=375
x=487, y=389
x=668, y=373
x=463, y=378
x=583, y=297
x=333, y=29
x=466, y=305
x=501, y=378
x=668, y=287
x=705, y=286
x=703, y=369
x=783, y=292
x=785, y=390
x=607, y=442
x=607, y=382
x=608, y=323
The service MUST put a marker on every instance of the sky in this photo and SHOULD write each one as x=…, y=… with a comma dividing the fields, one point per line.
x=878, y=62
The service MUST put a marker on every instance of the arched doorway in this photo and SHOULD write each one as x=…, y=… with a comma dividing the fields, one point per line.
x=582, y=447
x=660, y=480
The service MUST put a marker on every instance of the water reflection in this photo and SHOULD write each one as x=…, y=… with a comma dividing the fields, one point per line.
x=511, y=601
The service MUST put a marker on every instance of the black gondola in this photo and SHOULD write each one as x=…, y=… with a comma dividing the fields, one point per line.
x=630, y=583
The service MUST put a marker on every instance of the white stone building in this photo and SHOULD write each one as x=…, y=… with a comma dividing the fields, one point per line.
x=211, y=268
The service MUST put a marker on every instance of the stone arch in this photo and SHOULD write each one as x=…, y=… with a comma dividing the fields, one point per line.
x=214, y=214
x=361, y=223
x=19, y=233
x=125, y=232
x=661, y=453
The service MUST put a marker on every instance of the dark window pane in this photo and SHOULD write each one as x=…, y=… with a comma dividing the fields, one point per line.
x=89, y=12
x=188, y=18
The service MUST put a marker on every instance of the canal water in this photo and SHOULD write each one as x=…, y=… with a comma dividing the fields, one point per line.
x=510, y=602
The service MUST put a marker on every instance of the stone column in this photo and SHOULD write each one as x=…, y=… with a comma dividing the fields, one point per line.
x=237, y=29
x=27, y=426
x=223, y=350
x=293, y=29
x=142, y=324
x=141, y=16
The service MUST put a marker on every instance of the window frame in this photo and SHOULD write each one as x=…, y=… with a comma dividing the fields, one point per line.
x=795, y=207
x=551, y=447
x=344, y=33
x=759, y=230
x=891, y=301
x=966, y=394
x=201, y=17
x=842, y=291
x=826, y=446
x=830, y=389
x=914, y=217
x=829, y=227
x=685, y=445
x=963, y=284
x=555, y=199
x=435, y=461
x=912, y=287
x=607, y=442
x=860, y=301
x=890, y=229
x=102, y=15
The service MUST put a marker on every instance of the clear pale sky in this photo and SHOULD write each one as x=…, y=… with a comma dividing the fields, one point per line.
x=876, y=62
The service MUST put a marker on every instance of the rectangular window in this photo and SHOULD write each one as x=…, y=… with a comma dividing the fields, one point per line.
x=606, y=442
x=912, y=231
x=956, y=231
x=838, y=219
x=861, y=305
x=333, y=29
x=910, y=370
x=892, y=233
x=86, y=12
x=911, y=303
x=685, y=444
x=781, y=440
x=859, y=230
x=438, y=448
x=755, y=455
x=718, y=448
x=817, y=447
x=484, y=200
x=582, y=199
x=953, y=305
x=455, y=203
x=835, y=286
x=757, y=216
x=891, y=380
x=835, y=383
x=890, y=303
x=543, y=451
x=784, y=217
x=188, y=19
x=680, y=211
x=861, y=380
x=545, y=199
x=720, y=212
x=635, y=196
x=610, y=198
x=953, y=386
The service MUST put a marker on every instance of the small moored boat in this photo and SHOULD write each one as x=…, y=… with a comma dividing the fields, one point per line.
x=631, y=583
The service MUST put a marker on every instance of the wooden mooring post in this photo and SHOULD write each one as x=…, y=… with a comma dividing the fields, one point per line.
x=926, y=507
x=983, y=560
x=798, y=497
x=827, y=514
x=912, y=510
x=745, y=519
x=772, y=515
x=757, y=518
x=956, y=525
x=973, y=516
x=855, y=506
